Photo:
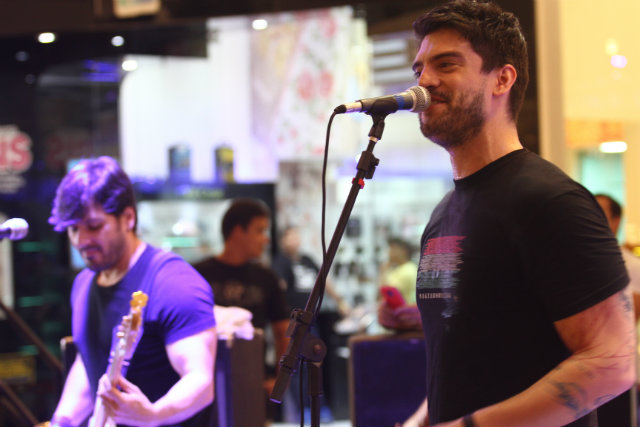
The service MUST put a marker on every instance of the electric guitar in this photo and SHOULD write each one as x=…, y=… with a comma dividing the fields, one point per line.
x=121, y=353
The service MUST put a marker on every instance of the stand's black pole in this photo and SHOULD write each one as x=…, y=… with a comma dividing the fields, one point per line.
x=20, y=324
x=13, y=402
x=302, y=344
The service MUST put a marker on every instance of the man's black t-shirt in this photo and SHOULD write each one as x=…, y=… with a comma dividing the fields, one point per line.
x=511, y=249
x=251, y=286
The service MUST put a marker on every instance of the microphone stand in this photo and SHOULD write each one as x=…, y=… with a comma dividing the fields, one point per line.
x=302, y=344
x=18, y=409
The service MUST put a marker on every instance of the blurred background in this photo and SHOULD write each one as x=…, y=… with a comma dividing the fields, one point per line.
x=205, y=100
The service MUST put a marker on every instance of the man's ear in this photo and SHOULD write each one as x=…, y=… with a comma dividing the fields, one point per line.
x=129, y=214
x=505, y=78
x=615, y=224
x=236, y=230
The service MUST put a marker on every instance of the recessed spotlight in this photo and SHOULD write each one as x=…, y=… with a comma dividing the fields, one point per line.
x=129, y=65
x=613, y=147
x=46, y=37
x=259, y=24
x=117, y=41
x=619, y=61
x=611, y=47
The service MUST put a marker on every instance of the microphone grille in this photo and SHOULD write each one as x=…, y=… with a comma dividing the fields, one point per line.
x=18, y=226
x=422, y=97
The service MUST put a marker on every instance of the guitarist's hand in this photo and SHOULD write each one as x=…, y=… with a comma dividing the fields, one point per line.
x=126, y=405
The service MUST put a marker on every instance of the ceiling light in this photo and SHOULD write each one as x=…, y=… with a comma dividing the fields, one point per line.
x=259, y=24
x=129, y=65
x=46, y=37
x=619, y=61
x=613, y=147
x=117, y=41
x=611, y=47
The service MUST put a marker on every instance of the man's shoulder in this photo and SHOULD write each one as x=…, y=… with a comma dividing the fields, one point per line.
x=260, y=266
x=213, y=264
x=530, y=165
x=533, y=182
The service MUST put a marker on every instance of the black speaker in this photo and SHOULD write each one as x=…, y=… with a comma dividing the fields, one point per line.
x=240, y=396
x=387, y=378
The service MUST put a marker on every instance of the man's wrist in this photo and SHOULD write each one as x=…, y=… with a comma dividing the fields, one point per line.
x=61, y=422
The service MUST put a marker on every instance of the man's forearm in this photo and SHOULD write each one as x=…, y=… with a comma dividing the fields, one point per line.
x=76, y=401
x=189, y=395
x=602, y=340
x=573, y=389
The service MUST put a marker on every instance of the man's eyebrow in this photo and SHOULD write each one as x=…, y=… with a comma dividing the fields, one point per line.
x=453, y=54
x=447, y=54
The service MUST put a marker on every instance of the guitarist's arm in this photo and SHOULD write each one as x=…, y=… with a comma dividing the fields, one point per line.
x=76, y=401
x=193, y=358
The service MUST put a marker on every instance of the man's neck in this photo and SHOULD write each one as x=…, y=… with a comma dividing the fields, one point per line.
x=232, y=257
x=487, y=147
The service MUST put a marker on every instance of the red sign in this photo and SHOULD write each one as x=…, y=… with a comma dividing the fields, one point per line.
x=15, y=150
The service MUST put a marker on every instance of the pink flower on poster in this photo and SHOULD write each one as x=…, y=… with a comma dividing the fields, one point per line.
x=325, y=83
x=305, y=85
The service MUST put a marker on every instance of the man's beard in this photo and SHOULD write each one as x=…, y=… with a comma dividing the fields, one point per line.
x=457, y=125
x=109, y=254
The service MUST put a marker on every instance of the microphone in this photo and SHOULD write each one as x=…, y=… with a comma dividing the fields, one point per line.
x=415, y=99
x=14, y=229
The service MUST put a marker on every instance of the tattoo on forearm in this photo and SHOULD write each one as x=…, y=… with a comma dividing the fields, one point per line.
x=571, y=395
x=626, y=302
x=603, y=399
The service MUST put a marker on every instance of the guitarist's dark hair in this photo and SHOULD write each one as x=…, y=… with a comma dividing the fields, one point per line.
x=100, y=181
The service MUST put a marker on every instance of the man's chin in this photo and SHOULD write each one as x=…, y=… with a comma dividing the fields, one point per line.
x=92, y=265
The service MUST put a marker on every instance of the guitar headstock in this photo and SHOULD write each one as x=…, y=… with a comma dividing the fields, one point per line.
x=138, y=299
x=138, y=302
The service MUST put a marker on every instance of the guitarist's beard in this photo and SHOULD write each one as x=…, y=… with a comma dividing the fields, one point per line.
x=99, y=257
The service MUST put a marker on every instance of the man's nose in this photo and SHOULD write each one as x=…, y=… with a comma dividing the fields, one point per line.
x=427, y=79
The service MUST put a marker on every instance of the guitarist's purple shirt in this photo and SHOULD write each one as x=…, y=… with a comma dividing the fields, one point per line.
x=180, y=305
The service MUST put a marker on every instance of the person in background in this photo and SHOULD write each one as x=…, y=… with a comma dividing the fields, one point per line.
x=524, y=298
x=613, y=212
x=620, y=410
x=239, y=279
x=400, y=271
x=298, y=273
x=170, y=376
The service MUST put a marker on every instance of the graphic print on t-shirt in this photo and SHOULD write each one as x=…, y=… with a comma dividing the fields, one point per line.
x=440, y=261
x=237, y=293
x=305, y=277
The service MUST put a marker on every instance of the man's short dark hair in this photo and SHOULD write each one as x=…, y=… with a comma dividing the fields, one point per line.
x=615, y=209
x=242, y=212
x=100, y=181
x=493, y=33
x=401, y=243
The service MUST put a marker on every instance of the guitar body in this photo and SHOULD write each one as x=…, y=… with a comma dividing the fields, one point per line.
x=121, y=353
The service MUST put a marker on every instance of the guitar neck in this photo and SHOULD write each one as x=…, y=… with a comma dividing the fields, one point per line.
x=122, y=349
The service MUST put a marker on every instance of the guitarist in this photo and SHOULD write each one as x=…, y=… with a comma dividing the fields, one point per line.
x=170, y=375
